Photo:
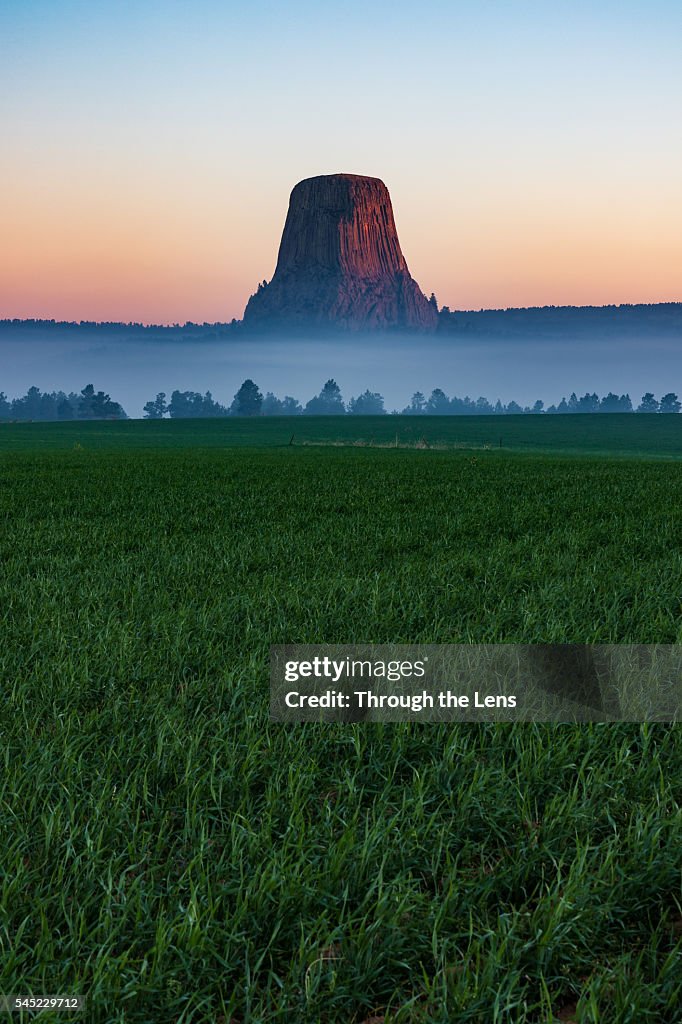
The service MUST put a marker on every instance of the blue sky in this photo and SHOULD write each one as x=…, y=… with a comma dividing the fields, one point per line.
x=532, y=150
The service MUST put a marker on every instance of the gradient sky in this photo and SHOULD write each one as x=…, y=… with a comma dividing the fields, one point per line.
x=533, y=150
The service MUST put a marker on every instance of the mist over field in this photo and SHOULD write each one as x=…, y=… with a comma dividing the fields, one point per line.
x=133, y=370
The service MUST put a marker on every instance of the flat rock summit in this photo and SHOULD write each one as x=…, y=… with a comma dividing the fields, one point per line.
x=340, y=264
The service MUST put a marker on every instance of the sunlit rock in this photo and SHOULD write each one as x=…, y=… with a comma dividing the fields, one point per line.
x=340, y=263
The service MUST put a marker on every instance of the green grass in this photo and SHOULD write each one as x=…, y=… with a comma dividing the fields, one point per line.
x=625, y=434
x=174, y=856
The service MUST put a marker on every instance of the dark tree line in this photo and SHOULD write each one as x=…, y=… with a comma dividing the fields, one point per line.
x=89, y=404
x=186, y=331
x=250, y=401
x=58, y=405
x=652, y=319
x=438, y=404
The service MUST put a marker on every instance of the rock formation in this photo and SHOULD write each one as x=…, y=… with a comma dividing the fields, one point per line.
x=340, y=263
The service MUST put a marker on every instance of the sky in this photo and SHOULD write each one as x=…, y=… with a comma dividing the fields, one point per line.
x=532, y=150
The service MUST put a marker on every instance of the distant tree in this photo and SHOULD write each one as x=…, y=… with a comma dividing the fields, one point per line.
x=192, y=405
x=648, y=403
x=369, y=403
x=588, y=403
x=211, y=408
x=85, y=404
x=329, y=402
x=499, y=409
x=48, y=404
x=563, y=406
x=248, y=400
x=433, y=301
x=115, y=410
x=550, y=410
x=65, y=410
x=572, y=405
x=538, y=407
x=610, y=403
x=157, y=409
x=100, y=405
x=34, y=403
x=438, y=403
x=94, y=405
x=5, y=406
x=513, y=409
x=104, y=408
x=670, y=403
x=291, y=407
x=614, y=403
x=29, y=406
x=271, y=405
x=417, y=406
x=461, y=406
x=185, y=404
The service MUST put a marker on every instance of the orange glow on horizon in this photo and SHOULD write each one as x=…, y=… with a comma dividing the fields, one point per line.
x=90, y=253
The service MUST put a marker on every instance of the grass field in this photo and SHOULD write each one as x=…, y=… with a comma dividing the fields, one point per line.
x=172, y=855
x=626, y=434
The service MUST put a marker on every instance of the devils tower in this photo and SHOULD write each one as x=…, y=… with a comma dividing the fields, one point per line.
x=340, y=263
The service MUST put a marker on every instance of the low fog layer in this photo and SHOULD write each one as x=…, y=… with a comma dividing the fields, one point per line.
x=132, y=371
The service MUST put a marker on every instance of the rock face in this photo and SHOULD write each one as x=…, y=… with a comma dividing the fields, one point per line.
x=340, y=263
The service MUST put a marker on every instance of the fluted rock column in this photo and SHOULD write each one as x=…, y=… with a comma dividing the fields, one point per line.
x=340, y=263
